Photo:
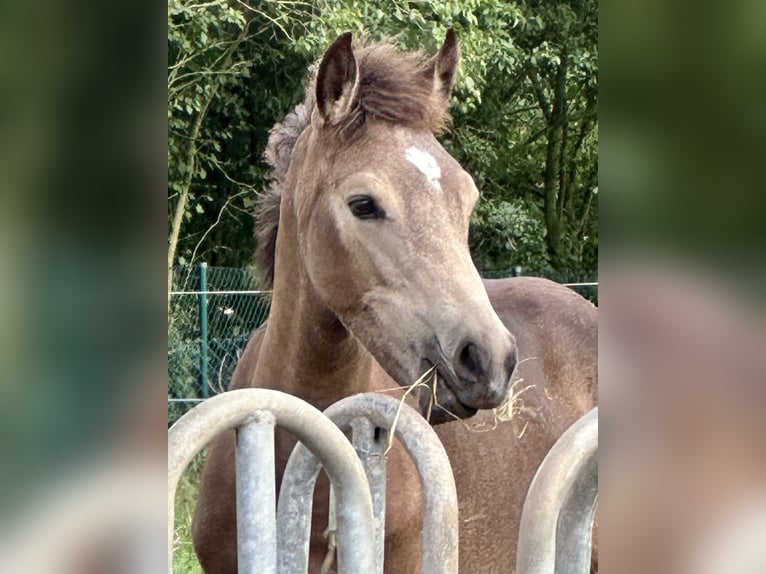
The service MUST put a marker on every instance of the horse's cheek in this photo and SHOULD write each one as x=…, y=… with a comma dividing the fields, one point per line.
x=329, y=265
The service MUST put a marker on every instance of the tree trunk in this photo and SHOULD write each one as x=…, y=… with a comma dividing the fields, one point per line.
x=190, y=160
x=551, y=180
x=183, y=197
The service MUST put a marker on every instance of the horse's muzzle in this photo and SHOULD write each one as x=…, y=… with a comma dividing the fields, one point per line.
x=441, y=405
x=475, y=376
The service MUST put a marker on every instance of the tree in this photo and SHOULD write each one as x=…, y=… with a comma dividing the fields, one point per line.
x=524, y=116
x=532, y=142
x=561, y=69
x=215, y=51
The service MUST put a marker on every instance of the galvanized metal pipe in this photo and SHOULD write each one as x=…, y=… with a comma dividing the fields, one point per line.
x=294, y=509
x=370, y=444
x=440, y=516
x=440, y=520
x=256, y=495
x=574, y=532
x=229, y=410
x=203, y=342
x=557, y=519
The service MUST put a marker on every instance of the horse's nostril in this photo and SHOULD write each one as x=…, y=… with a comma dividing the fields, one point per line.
x=510, y=363
x=470, y=359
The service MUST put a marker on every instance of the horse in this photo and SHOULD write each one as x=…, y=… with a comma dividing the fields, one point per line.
x=363, y=236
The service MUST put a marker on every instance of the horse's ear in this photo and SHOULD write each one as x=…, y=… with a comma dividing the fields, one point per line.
x=337, y=80
x=443, y=66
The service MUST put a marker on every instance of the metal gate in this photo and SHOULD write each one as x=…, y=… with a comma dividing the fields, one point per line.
x=270, y=543
x=556, y=523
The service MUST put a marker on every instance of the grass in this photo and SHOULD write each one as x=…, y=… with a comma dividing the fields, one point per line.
x=184, y=559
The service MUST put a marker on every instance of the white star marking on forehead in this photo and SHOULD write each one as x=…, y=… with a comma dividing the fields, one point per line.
x=426, y=165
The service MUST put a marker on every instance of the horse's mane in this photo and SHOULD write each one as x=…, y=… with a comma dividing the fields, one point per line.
x=394, y=87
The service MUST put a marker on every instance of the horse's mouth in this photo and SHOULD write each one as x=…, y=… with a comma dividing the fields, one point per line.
x=443, y=405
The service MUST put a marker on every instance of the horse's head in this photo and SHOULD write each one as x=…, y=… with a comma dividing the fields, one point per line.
x=382, y=217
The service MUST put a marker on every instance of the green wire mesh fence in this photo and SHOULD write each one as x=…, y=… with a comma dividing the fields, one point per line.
x=212, y=313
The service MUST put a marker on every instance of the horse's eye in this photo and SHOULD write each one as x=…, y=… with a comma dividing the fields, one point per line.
x=365, y=207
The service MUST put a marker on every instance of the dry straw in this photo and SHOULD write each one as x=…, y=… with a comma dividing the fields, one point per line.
x=513, y=410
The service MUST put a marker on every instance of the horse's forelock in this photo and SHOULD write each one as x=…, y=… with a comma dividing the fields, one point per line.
x=394, y=87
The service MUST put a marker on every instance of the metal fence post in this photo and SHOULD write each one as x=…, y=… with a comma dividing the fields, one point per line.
x=205, y=387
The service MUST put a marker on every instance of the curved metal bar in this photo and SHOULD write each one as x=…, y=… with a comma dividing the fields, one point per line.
x=574, y=532
x=232, y=409
x=370, y=446
x=294, y=509
x=555, y=532
x=440, y=520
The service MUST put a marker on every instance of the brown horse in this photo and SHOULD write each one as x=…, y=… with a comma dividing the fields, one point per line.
x=364, y=234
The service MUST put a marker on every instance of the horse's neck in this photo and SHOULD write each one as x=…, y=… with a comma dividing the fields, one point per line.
x=306, y=350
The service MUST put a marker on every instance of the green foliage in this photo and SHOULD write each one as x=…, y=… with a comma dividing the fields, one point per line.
x=228, y=82
x=534, y=136
x=509, y=232
x=524, y=110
